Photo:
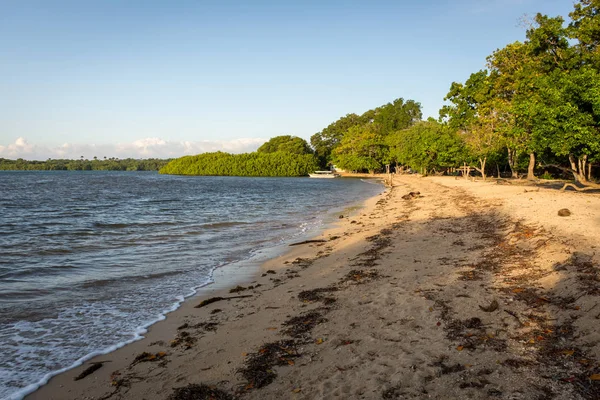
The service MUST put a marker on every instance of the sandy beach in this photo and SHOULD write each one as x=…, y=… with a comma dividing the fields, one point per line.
x=462, y=290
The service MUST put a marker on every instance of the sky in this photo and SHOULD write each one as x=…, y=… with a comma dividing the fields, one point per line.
x=148, y=78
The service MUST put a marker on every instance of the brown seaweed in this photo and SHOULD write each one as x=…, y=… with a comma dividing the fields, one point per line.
x=303, y=324
x=258, y=369
x=199, y=392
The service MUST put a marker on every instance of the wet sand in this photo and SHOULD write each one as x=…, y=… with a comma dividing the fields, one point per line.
x=466, y=290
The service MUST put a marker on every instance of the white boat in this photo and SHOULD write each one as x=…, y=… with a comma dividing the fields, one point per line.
x=324, y=174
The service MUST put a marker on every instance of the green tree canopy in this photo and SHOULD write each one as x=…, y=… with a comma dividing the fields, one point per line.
x=248, y=164
x=427, y=145
x=286, y=144
x=362, y=148
x=399, y=114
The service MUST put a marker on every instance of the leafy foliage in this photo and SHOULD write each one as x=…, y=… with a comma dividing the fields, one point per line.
x=362, y=148
x=286, y=144
x=428, y=146
x=329, y=138
x=110, y=164
x=540, y=97
x=247, y=164
x=387, y=118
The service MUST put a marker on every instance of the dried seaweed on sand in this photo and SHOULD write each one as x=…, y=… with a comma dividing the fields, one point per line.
x=199, y=392
x=303, y=324
x=258, y=369
x=317, y=295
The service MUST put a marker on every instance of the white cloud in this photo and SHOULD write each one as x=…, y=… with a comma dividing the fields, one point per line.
x=141, y=148
x=20, y=148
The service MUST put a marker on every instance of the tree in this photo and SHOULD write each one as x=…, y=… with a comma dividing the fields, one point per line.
x=512, y=72
x=475, y=114
x=569, y=116
x=427, y=145
x=396, y=115
x=569, y=86
x=362, y=148
x=329, y=138
x=390, y=117
x=286, y=144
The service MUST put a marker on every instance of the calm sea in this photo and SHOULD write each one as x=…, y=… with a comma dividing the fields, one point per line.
x=88, y=260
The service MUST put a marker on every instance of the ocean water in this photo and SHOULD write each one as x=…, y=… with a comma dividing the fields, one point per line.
x=88, y=260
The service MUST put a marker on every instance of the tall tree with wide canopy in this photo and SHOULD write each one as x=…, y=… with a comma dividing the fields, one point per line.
x=286, y=144
x=390, y=117
x=329, y=138
x=426, y=146
x=362, y=148
x=475, y=113
x=397, y=115
x=569, y=88
x=513, y=71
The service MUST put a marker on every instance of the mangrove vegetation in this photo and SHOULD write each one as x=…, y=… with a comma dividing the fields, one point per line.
x=96, y=164
x=278, y=163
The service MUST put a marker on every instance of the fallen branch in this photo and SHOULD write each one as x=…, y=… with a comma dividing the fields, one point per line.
x=560, y=167
x=90, y=370
x=588, y=186
x=215, y=299
x=309, y=241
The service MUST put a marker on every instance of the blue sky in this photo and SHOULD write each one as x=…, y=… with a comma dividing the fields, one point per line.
x=167, y=78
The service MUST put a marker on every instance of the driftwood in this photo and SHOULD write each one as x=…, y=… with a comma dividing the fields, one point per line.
x=90, y=370
x=215, y=299
x=588, y=186
x=309, y=241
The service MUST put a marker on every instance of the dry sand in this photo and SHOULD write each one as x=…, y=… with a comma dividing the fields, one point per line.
x=469, y=290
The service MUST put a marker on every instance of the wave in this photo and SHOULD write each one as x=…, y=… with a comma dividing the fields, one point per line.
x=225, y=224
x=133, y=224
x=128, y=279
x=138, y=334
x=37, y=271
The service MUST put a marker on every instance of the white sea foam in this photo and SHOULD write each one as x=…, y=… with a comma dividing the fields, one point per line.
x=137, y=334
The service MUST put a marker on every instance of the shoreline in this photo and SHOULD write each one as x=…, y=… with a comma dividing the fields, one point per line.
x=222, y=279
x=466, y=290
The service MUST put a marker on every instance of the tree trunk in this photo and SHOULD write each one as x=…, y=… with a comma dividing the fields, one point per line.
x=589, y=172
x=512, y=162
x=530, y=168
x=583, y=167
x=498, y=168
x=482, y=163
x=578, y=168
